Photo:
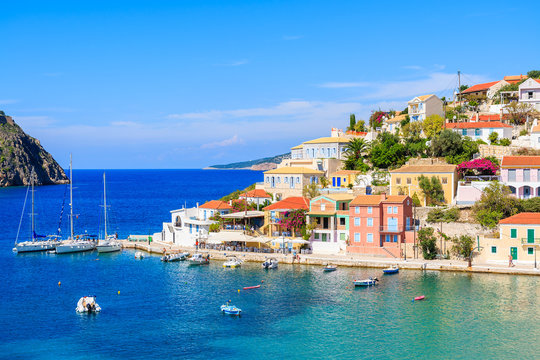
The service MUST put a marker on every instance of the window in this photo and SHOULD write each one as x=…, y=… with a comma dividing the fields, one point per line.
x=279, y=179
x=286, y=180
x=323, y=206
x=342, y=237
x=268, y=178
x=334, y=151
x=357, y=210
x=356, y=221
x=408, y=202
x=477, y=132
x=369, y=238
x=493, y=249
x=356, y=237
x=530, y=95
x=398, y=181
x=387, y=238
x=316, y=236
x=395, y=209
x=395, y=238
x=408, y=181
x=408, y=224
x=445, y=180
x=191, y=228
x=342, y=221
x=369, y=221
x=464, y=132
x=369, y=210
x=389, y=210
x=512, y=175
x=298, y=179
x=530, y=251
x=526, y=174
x=513, y=233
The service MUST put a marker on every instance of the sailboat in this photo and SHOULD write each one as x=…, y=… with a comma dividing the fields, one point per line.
x=109, y=243
x=73, y=245
x=34, y=244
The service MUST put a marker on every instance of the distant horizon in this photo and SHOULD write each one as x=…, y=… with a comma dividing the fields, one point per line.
x=156, y=85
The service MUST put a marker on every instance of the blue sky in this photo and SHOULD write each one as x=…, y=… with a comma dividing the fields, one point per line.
x=186, y=84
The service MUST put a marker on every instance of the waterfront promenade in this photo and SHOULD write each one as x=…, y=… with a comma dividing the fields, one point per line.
x=349, y=260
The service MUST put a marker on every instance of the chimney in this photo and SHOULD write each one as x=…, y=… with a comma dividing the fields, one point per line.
x=383, y=196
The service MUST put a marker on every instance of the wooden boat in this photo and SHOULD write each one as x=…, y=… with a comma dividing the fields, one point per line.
x=394, y=269
x=252, y=287
x=366, y=282
x=418, y=298
x=329, y=268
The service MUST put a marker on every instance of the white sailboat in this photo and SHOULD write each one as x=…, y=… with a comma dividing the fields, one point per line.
x=108, y=243
x=33, y=244
x=73, y=245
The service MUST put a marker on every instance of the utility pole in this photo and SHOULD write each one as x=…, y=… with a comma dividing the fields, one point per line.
x=459, y=85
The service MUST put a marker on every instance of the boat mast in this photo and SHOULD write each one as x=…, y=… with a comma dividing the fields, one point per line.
x=32, y=214
x=71, y=196
x=105, y=204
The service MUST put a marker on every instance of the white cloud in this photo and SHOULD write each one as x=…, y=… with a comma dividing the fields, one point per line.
x=33, y=121
x=292, y=37
x=227, y=142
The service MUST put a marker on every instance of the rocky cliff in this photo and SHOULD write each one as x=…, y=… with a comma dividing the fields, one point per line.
x=19, y=153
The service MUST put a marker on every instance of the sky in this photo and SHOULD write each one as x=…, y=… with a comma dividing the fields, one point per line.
x=187, y=84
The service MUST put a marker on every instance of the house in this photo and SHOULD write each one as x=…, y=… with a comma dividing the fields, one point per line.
x=483, y=91
x=380, y=225
x=325, y=148
x=482, y=129
x=256, y=196
x=522, y=175
x=529, y=93
x=534, y=138
x=404, y=181
x=331, y=213
x=394, y=123
x=423, y=106
x=275, y=212
x=343, y=178
x=289, y=181
x=210, y=208
x=490, y=117
x=519, y=236
x=186, y=227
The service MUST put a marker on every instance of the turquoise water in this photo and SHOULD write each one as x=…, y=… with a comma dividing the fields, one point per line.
x=172, y=311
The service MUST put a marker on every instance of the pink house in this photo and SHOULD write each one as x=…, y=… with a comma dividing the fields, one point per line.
x=379, y=225
x=522, y=175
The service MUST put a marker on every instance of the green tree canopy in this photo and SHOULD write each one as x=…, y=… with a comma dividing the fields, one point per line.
x=535, y=74
x=432, y=189
x=387, y=151
x=496, y=203
x=352, y=122
x=453, y=147
x=432, y=125
x=428, y=243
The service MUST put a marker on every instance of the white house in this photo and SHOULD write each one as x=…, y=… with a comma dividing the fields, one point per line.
x=482, y=129
x=289, y=181
x=256, y=196
x=423, y=106
x=529, y=93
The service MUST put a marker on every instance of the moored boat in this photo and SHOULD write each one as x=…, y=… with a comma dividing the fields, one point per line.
x=418, y=298
x=394, y=269
x=199, y=259
x=233, y=262
x=329, y=268
x=109, y=243
x=87, y=304
x=175, y=257
x=230, y=309
x=139, y=255
x=366, y=282
x=271, y=263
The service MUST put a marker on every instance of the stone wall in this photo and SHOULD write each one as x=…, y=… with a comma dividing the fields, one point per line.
x=496, y=150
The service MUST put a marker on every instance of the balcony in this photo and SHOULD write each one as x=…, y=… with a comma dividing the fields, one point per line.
x=530, y=242
x=396, y=229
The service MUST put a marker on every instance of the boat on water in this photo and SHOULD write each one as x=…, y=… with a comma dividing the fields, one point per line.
x=88, y=304
x=109, y=243
x=77, y=243
x=418, y=298
x=230, y=309
x=394, y=269
x=233, y=262
x=366, y=282
x=329, y=268
x=199, y=259
x=175, y=257
x=34, y=244
x=139, y=255
x=270, y=263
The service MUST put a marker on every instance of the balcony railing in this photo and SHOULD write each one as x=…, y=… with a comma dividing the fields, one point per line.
x=396, y=229
x=527, y=241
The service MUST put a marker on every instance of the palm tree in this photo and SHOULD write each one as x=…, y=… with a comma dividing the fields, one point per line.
x=353, y=152
x=311, y=191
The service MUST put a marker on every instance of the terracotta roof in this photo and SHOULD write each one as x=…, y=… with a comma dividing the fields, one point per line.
x=480, y=87
x=329, y=139
x=440, y=168
x=216, y=204
x=490, y=117
x=477, y=125
x=512, y=79
x=425, y=97
x=290, y=203
x=356, y=133
x=297, y=147
x=536, y=129
x=346, y=172
x=520, y=161
x=377, y=199
x=294, y=170
x=256, y=193
x=340, y=196
x=528, y=218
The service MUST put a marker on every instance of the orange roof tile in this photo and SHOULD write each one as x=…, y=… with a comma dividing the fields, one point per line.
x=490, y=117
x=346, y=172
x=216, y=204
x=421, y=169
x=477, y=125
x=376, y=199
x=480, y=87
x=512, y=79
x=536, y=129
x=526, y=218
x=256, y=193
x=520, y=161
x=290, y=203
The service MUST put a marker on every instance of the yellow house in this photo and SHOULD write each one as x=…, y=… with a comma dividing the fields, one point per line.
x=343, y=178
x=519, y=237
x=289, y=181
x=404, y=181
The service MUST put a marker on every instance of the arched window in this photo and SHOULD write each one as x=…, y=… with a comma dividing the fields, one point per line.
x=178, y=222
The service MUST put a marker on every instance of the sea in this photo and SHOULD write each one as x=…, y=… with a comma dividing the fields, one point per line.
x=155, y=310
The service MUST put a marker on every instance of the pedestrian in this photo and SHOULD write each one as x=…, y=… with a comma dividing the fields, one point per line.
x=197, y=244
x=510, y=262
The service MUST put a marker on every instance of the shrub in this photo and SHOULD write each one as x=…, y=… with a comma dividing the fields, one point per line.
x=505, y=142
x=428, y=243
x=416, y=200
x=478, y=167
x=441, y=215
x=214, y=228
x=463, y=246
x=523, y=132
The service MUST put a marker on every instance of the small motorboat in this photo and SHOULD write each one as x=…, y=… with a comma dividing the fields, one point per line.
x=394, y=269
x=139, y=255
x=418, y=298
x=252, y=287
x=88, y=304
x=175, y=257
x=271, y=263
x=329, y=268
x=230, y=309
x=367, y=282
x=199, y=259
x=233, y=262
